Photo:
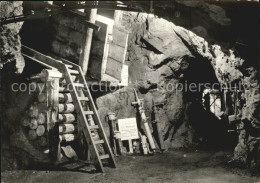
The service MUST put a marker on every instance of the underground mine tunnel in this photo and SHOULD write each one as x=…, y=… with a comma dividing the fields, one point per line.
x=130, y=91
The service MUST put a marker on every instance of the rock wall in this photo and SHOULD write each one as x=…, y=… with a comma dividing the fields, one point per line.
x=228, y=69
x=16, y=150
x=158, y=61
x=160, y=54
x=10, y=49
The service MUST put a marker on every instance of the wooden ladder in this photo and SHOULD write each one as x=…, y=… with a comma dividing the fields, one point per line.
x=87, y=115
x=86, y=111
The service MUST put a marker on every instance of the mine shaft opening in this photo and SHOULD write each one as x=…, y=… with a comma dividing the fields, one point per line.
x=207, y=107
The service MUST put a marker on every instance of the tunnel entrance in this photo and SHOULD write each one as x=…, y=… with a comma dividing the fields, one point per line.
x=206, y=107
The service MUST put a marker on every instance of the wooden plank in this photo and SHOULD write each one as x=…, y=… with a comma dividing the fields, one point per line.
x=99, y=141
x=47, y=74
x=98, y=51
x=87, y=41
x=80, y=15
x=93, y=127
x=52, y=118
x=117, y=53
x=102, y=33
x=84, y=98
x=114, y=68
x=120, y=37
x=73, y=71
x=88, y=112
x=43, y=58
x=104, y=156
x=78, y=85
x=131, y=151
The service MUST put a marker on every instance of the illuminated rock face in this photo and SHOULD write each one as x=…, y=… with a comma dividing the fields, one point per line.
x=160, y=55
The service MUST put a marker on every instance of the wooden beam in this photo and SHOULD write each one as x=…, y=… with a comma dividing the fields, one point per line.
x=48, y=74
x=43, y=58
x=79, y=14
x=52, y=88
x=87, y=41
x=38, y=61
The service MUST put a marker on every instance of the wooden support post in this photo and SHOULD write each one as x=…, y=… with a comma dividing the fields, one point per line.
x=86, y=44
x=51, y=77
x=116, y=139
x=131, y=151
x=158, y=125
x=86, y=47
x=140, y=103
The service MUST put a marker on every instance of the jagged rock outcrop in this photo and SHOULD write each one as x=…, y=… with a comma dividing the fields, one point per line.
x=159, y=55
x=228, y=69
x=10, y=40
x=17, y=151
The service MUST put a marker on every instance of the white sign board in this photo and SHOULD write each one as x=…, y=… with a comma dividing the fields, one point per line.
x=128, y=128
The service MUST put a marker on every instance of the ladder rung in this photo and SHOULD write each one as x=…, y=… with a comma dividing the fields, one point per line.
x=73, y=71
x=104, y=156
x=99, y=141
x=93, y=127
x=83, y=98
x=69, y=66
x=78, y=85
x=88, y=112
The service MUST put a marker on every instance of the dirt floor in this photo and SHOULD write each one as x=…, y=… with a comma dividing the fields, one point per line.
x=174, y=167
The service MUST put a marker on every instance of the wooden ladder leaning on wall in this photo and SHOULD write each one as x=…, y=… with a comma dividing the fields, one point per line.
x=87, y=115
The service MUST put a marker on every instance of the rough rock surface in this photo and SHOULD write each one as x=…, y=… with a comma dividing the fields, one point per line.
x=17, y=151
x=10, y=49
x=228, y=69
x=156, y=59
x=160, y=54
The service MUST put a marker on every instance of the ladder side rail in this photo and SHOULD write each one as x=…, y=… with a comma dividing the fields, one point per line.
x=68, y=62
x=97, y=119
x=84, y=124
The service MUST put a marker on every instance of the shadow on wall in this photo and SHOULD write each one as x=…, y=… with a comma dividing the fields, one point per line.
x=210, y=132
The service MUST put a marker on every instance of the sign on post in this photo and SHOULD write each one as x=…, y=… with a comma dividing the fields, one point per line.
x=128, y=128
